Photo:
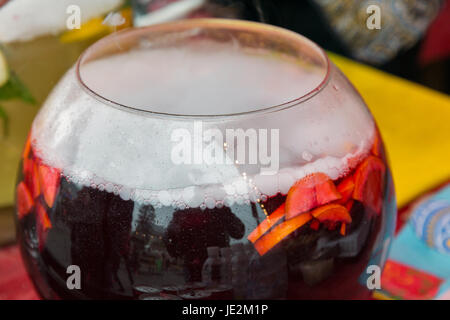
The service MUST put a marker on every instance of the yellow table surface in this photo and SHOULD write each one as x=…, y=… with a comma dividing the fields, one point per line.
x=415, y=125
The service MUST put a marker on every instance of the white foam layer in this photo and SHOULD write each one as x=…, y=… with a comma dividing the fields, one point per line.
x=22, y=20
x=129, y=154
x=201, y=78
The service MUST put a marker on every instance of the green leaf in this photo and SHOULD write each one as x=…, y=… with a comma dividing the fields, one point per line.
x=15, y=89
x=5, y=120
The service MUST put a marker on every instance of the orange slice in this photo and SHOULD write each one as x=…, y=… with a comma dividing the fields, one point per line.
x=27, y=148
x=332, y=213
x=377, y=147
x=342, y=230
x=369, y=183
x=31, y=177
x=309, y=192
x=43, y=225
x=24, y=200
x=42, y=217
x=281, y=231
x=49, y=179
x=268, y=223
x=345, y=188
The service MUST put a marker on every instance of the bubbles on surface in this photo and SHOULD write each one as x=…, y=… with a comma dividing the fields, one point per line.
x=307, y=156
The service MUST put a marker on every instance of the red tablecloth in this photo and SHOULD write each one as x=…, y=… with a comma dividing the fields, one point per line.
x=15, y=283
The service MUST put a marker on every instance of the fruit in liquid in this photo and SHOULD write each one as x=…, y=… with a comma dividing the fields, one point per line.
x=321, y=231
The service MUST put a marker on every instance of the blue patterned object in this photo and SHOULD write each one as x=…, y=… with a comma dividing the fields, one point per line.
x=431, y=221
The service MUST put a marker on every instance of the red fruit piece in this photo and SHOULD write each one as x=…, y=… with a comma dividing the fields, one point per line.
x=42, y=216
x=35, y=181
x=43, y=225
x=31, y=177
x=315, y=224
x=342, y=230
x=309, y=192
x=349, y=205
x=369, y=183
x=331, y=225
x=281, y=231
x=27, y=166
x=300, y=198
x=377, y=147
x=345, y=188
x=332, y=213
x=49, y=179
x=27, y=148
x=24, y=200
x=268, y=223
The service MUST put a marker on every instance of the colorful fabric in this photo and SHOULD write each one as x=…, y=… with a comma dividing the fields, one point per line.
x=436, y=45
x=417, y=268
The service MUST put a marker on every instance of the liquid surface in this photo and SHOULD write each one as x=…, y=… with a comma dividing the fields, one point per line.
x=200, y=78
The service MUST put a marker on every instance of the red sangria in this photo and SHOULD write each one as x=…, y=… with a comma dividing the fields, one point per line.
x=204, y=159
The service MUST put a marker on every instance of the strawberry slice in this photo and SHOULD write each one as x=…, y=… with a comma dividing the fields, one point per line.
x=49, y=179
x=369, y=182
x=43, y=225
x=345, y=188
x=332, y=213
x=268, y=223
x=24, y=200
x=31, y=177
x=281, y=231
x=309, y=192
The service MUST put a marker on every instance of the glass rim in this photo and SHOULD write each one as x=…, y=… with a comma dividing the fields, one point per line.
x=211, y=23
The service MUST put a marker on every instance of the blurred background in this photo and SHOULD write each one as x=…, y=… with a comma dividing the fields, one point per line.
x=412, y=41
x=396, y=53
